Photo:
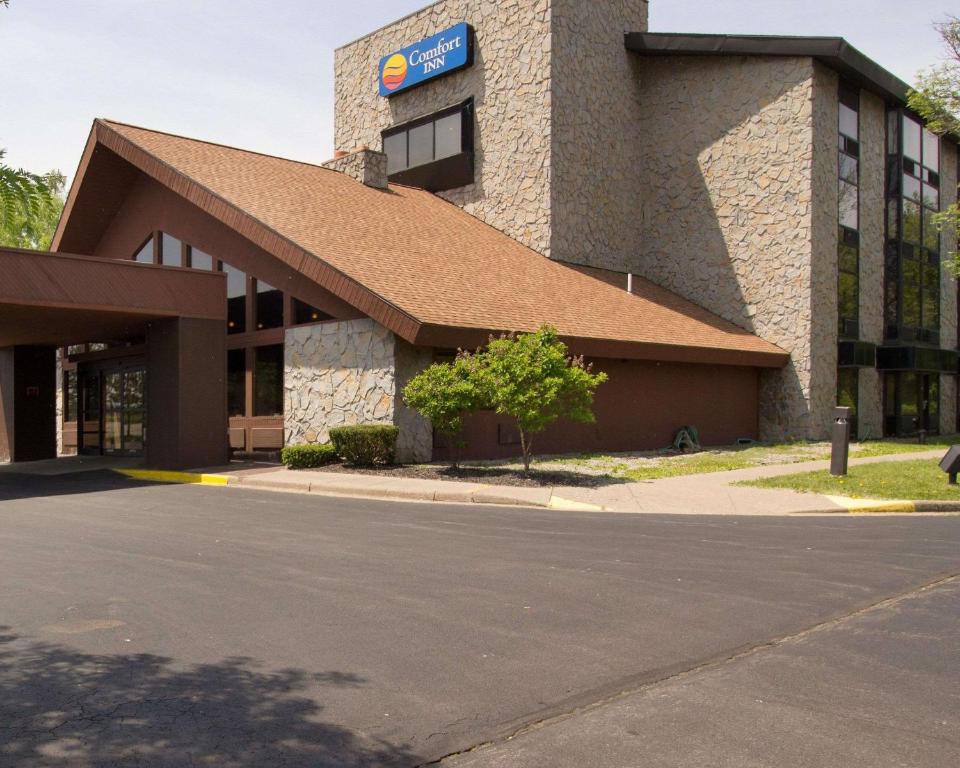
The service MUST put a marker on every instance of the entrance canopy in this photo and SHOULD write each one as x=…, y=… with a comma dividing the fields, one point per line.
x=54, y=299
x=48, y=300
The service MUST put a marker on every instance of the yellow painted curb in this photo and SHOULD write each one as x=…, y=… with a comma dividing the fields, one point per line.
x=161, y=476
x=572, y=506
x=871, y=506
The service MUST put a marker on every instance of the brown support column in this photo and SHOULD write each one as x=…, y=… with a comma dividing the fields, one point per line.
x=28, y=403
x=186, y=394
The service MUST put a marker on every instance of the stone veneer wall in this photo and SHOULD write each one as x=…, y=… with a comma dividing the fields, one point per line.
x=948, y=289
x=873, y=157
x=366, y=166
x=350, y=372
x=728, y=213
x=510, y=83
x=596, y=134
x=824, y=303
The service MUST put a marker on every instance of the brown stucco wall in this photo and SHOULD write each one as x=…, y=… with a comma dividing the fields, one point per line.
x=641, y=407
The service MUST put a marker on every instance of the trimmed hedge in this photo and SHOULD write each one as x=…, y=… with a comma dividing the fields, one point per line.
x=308, y=456
x=365, y=445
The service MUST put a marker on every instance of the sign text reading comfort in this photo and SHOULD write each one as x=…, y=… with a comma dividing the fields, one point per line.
x=441, y=54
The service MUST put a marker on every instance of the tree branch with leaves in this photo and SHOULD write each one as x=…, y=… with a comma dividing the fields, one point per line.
x=30, y=206
x=936, y=98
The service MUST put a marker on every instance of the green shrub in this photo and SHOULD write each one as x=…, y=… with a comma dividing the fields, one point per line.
x=365, y=445
x=308, y=456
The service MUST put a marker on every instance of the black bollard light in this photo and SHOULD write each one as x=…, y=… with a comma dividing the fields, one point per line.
x=950, y=464
x=840, y=437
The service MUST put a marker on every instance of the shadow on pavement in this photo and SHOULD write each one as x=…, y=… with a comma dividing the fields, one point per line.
x=27, y=486
x=60, y=706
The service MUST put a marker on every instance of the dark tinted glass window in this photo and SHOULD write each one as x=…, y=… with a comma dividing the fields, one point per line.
x=848, y=122
x=303, y=313
x=421, y=145
x=236, y=299
x=236, y=382
x=269, y=306
x=911, y=138
x=200, y=260
x=395, y=148
x=848, y=389
x=145, y=254
x=170, y=251
x=449, y=135
x=268, y=381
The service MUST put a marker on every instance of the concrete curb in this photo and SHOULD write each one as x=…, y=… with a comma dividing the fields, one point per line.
x=458, y=493
x=162, y=476
x=878, y=506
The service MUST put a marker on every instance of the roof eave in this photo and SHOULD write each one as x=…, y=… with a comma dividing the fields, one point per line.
x=834, y=52
x=458, y=337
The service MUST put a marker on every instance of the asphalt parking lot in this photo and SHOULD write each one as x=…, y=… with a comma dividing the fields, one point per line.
x=179, y=625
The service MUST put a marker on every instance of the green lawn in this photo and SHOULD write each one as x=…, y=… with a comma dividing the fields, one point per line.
x=909, y=480
x=655, y=465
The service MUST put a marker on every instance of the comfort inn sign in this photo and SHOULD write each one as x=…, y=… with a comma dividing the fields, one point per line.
x=438, y=55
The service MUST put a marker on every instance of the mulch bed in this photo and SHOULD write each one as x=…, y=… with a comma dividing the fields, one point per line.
x=488, y=475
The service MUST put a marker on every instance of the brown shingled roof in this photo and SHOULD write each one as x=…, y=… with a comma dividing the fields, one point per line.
x=423, y=267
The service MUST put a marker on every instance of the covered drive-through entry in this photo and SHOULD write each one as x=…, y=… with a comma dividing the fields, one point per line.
x=156, y=388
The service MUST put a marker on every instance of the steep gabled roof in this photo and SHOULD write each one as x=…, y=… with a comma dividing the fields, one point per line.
x=422, y=267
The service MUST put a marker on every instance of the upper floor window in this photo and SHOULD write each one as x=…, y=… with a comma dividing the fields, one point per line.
x=434, y=152
x=848, y=172
x=912, y=269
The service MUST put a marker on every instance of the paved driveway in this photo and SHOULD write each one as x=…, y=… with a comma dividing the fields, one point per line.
x=176, y=625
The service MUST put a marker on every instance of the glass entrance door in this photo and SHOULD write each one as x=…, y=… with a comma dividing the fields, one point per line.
x=124, y=412
x=88, y=438
x=113, y=411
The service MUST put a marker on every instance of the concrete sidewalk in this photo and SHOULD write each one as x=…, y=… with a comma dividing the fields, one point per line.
x=711, y=493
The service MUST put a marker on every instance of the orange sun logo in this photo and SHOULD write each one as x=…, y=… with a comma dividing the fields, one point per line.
x=394, y=72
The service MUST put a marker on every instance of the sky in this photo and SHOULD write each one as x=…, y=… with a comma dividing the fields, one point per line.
x=258, y=74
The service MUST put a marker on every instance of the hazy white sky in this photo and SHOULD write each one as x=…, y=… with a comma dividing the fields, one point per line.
x=259, y=73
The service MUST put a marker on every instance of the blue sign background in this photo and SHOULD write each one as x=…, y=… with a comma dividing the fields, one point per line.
x=438, y=55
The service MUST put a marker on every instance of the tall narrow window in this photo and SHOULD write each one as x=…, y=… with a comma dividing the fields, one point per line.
x=236, y=382
x=848, y=168
x=268, y=381
x=269, y=308
x=145, y=254
x=913, y=240
x=236, y=299
x=170, y=251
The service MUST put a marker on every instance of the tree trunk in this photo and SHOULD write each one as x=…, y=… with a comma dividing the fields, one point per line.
x=525, y=446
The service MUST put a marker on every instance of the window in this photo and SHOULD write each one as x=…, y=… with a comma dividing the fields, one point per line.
x=848, y=236
x=170, y=248
x=433, y=152
x=303, y=313
x=145, y=254
x=199, y=259
x=236, y=299
x=269, y=308
x=848, y=393
x=268, y=381
x=236, y=382
x=911, y=402
x=912, y=264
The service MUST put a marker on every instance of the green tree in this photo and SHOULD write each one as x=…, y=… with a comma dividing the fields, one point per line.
x=444, y=393
x=936, y=99
x=531, y=378
x=30, y=206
